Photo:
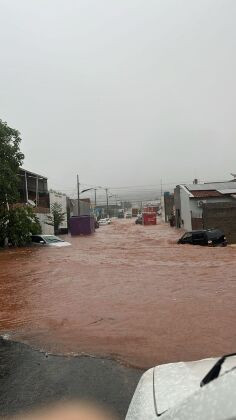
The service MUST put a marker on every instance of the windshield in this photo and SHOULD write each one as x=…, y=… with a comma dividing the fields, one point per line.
x=52, y=239
x=187, y=235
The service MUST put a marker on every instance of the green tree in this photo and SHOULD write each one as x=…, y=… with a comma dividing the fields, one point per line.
x=3, y=225
x=16, y=223
x=11, y=159
x=56, y=217
x=22, y=223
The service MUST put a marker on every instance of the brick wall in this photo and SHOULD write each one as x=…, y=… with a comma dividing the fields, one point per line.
x=197, y=223
x=221, y=216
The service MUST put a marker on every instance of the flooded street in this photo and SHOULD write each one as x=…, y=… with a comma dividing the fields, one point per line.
x=128, y=292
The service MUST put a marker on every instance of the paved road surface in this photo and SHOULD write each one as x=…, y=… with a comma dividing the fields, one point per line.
x=30, y=379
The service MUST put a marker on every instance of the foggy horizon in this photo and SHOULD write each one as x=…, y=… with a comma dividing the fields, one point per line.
x=125, y=93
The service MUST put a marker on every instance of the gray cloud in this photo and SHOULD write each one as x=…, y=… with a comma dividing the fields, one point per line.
x=125, y=92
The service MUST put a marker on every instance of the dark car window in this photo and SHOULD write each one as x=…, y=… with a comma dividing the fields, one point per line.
x=37, y=239
x=187, y=236
x=52, y=239
x=198, y=236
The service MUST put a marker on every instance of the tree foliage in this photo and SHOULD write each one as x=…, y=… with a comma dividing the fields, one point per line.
x=10, y=160
x=17, y=225
x=56, y=217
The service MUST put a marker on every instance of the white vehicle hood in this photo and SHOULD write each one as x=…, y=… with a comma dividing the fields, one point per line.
x=166, y=386
x=59, y=244
x=215, y=401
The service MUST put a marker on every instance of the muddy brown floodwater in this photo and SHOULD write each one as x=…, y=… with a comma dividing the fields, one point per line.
x=127, y=292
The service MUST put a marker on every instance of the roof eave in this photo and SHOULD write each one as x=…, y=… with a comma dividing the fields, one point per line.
x=33, y=173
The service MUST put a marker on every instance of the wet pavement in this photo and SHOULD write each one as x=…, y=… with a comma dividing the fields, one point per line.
x=30, y=379
x=127, y=292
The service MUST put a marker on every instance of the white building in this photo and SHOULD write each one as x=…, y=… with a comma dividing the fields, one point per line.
x=60, y=198
x=189, y=201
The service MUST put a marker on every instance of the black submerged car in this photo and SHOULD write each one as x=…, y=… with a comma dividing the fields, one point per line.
x=208, y=237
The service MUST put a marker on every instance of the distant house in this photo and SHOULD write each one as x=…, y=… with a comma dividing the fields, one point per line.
x=33, y=190
x=210, y=205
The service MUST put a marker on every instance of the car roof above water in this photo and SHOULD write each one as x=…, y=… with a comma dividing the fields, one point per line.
x=44, y=236
x=206, y=231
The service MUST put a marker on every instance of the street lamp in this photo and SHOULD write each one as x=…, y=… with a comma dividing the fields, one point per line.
x=95, y=193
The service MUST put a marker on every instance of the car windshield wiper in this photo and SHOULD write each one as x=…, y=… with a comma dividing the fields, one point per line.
x=215, y=370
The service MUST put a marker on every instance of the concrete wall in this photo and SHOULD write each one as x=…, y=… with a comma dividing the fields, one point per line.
x=177, y=206
x=46, y=229
x=185, y=209
x=221, y=216
x=62, y=200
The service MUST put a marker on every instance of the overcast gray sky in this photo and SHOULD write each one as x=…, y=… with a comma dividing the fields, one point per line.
x=125, y=92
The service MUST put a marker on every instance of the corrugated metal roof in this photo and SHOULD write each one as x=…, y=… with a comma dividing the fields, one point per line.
x=228, y=191
x=231, y=185
x=206, y=193
x=32, y=173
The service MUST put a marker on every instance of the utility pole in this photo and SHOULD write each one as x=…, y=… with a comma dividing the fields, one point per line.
x=95, y=198
x=161, y=187
x=37, y=191
x=116, y=210
x=106, y=189
x=26, y=189
x=78, y=195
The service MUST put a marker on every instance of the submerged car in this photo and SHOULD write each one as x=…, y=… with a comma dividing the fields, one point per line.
x=139, y=220
x=203, y=389
x=207, y=237
x=50, y=240
x=104, y=222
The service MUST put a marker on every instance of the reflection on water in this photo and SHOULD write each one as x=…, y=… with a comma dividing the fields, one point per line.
x=128, y=292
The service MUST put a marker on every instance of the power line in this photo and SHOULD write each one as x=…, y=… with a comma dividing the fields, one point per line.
x=150, y=185
x=132, y=188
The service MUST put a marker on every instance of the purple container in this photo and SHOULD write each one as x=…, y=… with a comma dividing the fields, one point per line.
x=82, y=225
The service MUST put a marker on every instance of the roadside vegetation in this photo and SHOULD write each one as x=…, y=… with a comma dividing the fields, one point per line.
x=17, y=223
x=56, y=217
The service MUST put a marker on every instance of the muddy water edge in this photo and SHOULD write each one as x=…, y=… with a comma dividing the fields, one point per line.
x=128, y=292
